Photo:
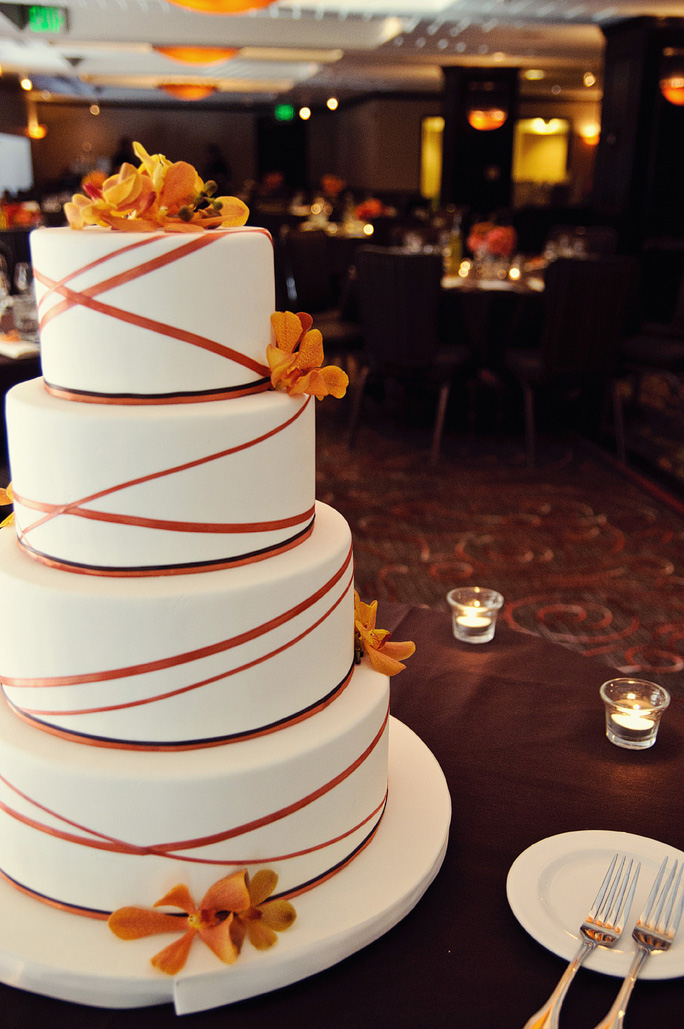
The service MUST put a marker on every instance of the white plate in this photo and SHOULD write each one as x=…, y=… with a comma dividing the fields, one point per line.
x=551, y=887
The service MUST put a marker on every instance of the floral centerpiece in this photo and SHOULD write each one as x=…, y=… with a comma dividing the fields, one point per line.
x=369, y=209
x=487, y=239
x=332, y=185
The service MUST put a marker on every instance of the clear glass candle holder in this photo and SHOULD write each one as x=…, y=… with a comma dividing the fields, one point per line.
x=633, y=708
x=473, y=613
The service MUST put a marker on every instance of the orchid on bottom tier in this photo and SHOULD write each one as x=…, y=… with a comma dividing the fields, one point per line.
x=234, y=907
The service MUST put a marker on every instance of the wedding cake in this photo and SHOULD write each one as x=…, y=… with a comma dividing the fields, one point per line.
x=177, y=645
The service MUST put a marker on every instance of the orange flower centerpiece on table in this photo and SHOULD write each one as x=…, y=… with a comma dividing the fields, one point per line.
x=487, y=239
x=159, y=194
x=231, y=909
x=296, y=357
x=369, y=209
x=384, y=654
x=6, y=498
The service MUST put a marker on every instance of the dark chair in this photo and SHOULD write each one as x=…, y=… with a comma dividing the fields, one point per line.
x=587, y=304
x=399, y=301
x=657, y=349
x=310, y=286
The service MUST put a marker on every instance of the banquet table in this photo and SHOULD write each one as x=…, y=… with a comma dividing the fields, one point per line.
x=517, y=727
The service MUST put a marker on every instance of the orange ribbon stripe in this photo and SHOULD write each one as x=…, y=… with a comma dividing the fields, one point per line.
x=102, y=841
x=75, y=506
x=188, y=656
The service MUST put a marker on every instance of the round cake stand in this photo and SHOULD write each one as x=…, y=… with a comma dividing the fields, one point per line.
x=57, y=954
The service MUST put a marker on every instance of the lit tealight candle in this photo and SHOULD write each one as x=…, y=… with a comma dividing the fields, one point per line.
x=474, y=618
x=633, y=720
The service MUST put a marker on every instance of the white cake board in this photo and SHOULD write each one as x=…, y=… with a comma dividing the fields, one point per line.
x=60, y=955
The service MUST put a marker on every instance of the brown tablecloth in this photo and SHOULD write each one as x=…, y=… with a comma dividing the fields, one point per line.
x=517, y=726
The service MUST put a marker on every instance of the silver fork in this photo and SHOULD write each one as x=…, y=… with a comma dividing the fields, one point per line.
x=654, y=931
x=602, y=927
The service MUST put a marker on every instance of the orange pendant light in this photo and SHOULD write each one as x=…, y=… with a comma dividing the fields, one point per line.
x=222, y=6
x=198, y=54
x=486, y=119
x=672, y=89
x=188, y=90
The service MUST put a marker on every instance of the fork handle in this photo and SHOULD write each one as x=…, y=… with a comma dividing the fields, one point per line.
x=547, y=1016
x=616, y=1016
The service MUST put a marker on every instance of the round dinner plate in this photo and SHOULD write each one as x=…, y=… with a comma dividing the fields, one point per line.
x=551, y=887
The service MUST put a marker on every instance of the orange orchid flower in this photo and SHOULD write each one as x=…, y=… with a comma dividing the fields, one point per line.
x=157, y=195
x=296, y=357
x=234, y=907
x=384, y=656
x=7, y=497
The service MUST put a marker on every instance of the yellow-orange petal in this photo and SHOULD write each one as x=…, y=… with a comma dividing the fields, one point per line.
x=7, y=521
x=6, y=495
x=288, y=330
x=261, y=936
x=233, y=211
x=172, y=958
x=365, y=613
x=228, y=894
x=278, y=914
x=312, y=383
x=219, y=939
x=123, y=224
x=310, y=354
x=262, y=885
x=131, y=923
x=336, y=380
x=389, y=658
x=179, y=186
x=178, y=897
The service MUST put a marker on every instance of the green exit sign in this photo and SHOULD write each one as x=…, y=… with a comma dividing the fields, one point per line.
x=46, y=19
x=283, y=112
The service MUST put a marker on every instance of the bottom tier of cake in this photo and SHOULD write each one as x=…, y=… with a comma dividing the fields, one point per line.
x=92, y=829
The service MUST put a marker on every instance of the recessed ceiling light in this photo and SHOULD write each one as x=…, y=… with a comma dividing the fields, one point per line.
x=532, y=74
x=26, y=84
x=332, y=103
x=305, y=113
x=589, y=78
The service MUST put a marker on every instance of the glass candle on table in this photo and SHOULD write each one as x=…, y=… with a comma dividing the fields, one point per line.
x=633, y=709
x=473, y=613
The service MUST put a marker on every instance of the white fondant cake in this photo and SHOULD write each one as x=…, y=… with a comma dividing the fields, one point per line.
x=151, y=314
x=147, y=487
x=176, y=615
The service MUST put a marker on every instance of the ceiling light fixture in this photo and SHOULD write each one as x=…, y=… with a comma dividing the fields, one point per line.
x=198, y=54
x=487, y=107
x=26, y=84
x=222, y=6
x=305, y=113
x=332, y=103
x=188, y=90
x=589, y=79
x=672, y=76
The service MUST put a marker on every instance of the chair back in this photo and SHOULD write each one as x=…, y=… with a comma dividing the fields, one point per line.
x=307, y=270
x=588, y=307
x=399, y=300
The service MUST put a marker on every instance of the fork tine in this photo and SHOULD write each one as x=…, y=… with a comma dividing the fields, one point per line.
x=667, y=917
x=603, y=889
x=650, y=900
x=627, y=894
x=680, y=907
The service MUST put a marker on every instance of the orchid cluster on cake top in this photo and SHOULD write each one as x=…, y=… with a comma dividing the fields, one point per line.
x=159, y=194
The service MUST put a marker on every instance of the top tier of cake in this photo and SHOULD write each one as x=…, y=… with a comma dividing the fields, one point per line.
x=147, y=315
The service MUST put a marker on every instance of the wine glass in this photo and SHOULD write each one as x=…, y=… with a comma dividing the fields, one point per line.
x=22, y=276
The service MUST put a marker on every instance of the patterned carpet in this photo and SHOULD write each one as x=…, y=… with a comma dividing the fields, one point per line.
x=583, y=554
